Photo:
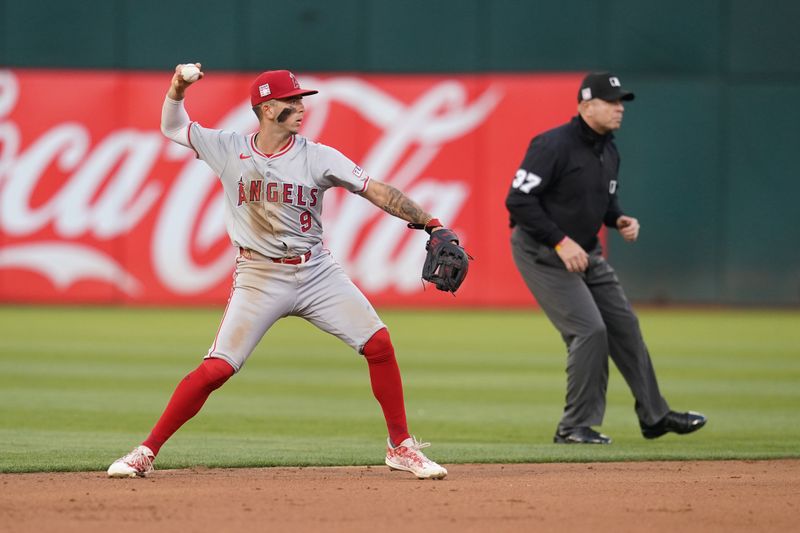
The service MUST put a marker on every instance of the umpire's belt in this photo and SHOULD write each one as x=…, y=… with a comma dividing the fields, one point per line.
x=294, y=260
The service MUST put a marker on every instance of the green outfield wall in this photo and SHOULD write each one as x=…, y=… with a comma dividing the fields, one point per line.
x=708, y=147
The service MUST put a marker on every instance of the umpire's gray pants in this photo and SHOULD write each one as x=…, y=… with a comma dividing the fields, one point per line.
x=596, y=320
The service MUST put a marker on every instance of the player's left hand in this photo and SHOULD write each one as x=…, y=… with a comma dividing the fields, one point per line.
x=628, y=227
x=446, y=263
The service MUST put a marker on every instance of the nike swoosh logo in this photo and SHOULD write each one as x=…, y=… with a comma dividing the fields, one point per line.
x=242, y=156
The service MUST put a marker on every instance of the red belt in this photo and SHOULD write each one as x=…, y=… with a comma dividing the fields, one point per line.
x=294, y=260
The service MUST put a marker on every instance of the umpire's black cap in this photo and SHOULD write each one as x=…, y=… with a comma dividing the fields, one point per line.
x=603, y=85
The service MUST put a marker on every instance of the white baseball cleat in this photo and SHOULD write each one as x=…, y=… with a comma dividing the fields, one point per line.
x=137, y=463
x=408, y=458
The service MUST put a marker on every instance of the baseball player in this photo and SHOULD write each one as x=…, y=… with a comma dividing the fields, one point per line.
x=274, y=182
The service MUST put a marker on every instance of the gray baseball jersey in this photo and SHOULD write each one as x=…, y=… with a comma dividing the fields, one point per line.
x=274, y=201
x=273, y=210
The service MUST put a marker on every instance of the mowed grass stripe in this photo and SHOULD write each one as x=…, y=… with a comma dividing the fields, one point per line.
x=80, y=386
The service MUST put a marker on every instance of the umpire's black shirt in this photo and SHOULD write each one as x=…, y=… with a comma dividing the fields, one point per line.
x=566, y=185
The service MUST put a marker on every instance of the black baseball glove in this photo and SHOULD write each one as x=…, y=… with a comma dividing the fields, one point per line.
x=446, y=263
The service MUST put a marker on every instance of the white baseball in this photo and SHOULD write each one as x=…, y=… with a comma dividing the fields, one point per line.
x=190, y=72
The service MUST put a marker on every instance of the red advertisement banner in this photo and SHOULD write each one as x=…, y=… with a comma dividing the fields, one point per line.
x=96, y=206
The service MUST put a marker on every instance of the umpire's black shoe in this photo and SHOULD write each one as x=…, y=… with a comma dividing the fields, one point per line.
x=580, y=435
x=680, y=423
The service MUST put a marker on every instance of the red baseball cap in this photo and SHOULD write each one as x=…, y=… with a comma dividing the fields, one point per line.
x=275, y=84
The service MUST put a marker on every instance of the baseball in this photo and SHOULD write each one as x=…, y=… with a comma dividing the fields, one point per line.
x=190, y=72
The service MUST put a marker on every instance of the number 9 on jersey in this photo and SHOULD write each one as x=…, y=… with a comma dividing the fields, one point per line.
x=305, y=221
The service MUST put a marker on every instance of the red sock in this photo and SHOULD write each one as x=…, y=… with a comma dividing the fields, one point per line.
x=188, y=398
x=387, y=386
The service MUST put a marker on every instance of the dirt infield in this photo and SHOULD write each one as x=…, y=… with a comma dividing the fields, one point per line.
x=660, y=496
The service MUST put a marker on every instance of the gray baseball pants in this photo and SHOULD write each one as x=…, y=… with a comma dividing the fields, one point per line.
x=595, y=319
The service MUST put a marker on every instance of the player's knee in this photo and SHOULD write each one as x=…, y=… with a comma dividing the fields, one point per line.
x=215, y=372
x=378, y=348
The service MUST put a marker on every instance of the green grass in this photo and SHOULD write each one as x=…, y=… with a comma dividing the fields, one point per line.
x=81, y=386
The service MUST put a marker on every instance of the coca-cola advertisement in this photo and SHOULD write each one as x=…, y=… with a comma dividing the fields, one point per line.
x=97, y=206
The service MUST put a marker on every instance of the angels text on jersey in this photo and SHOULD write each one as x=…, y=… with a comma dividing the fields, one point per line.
x=261, y=190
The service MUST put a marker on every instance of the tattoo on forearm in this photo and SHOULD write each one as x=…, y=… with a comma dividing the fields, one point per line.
x=401, y=206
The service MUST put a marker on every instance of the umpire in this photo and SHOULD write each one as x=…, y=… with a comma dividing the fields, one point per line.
x=564, y=191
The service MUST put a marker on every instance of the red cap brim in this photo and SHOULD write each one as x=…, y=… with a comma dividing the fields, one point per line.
x=289, y=94
x=297, y=92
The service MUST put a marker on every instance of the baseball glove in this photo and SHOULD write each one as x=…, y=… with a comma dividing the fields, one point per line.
x=446, y=263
